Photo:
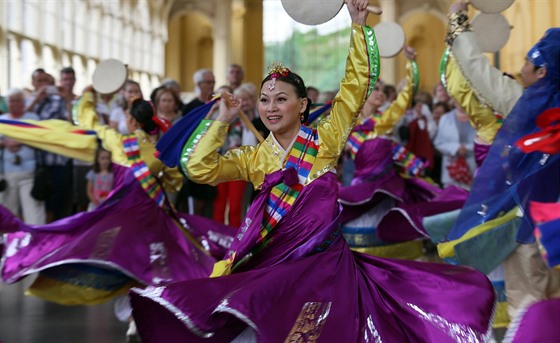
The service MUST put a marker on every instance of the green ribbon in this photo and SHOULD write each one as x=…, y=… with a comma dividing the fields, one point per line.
x=415, y=78
x=443, y=67
x=373, y=56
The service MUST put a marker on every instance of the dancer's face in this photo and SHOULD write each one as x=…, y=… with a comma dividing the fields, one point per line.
x=377, y=97
x=280, y=109
x=531, y=74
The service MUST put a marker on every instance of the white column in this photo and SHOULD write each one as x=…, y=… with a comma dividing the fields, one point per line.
x=388, y=65
x=3, y=52
x=222, y=42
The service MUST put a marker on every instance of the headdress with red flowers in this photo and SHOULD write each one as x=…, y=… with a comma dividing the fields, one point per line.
x=276, y=70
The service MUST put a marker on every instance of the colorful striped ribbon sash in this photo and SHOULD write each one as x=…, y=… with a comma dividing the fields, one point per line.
x=282, y=197
x=141, y=170
x=358, y=137
x=406, y=162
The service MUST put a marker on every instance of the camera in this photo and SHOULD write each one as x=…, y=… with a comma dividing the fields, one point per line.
x=51, y=90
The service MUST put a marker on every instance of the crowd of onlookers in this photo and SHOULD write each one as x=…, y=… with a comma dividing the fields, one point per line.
x=434, y=129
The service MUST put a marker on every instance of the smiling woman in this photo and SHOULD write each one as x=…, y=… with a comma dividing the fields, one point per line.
x=283, y=105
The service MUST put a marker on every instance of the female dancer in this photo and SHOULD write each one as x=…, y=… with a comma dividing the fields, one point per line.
x=384, y=205
x=289, y=275
x=132, y=238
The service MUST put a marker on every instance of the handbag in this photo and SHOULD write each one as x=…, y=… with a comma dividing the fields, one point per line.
x=43, y=184
x=459, y=171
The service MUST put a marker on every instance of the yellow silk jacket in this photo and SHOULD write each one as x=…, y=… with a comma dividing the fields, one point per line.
x=86, y=117
x=203, y=164
x=481, y=116
x=392, y=114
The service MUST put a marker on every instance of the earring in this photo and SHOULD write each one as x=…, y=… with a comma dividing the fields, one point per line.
x=301, y=117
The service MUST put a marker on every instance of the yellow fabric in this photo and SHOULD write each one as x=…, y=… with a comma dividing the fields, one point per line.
x=69, y=294
x=501, y=317
x=58, y=138
x=481, y=116
x=112, y=141
x=447, y=249
x=406, y=251
x=392, y=114
x=223, y=267
x=489, y=83
x=205, y=165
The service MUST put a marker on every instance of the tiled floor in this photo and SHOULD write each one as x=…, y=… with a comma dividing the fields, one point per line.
x=27, y=319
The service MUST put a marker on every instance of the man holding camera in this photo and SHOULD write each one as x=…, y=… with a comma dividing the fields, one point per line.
x=47, y=103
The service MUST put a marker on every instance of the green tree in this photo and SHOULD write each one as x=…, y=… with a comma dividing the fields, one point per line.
x=318, y=59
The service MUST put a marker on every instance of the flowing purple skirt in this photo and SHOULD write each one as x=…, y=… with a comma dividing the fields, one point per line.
x=413, y=198
x=308, y=286
x=93, y=256
x=537, y=323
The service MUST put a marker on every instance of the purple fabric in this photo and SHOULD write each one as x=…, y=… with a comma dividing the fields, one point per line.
x=376, y=179
x=410, y=215
x=9, y=222
x=287, y=236
x=480, y=153
x=128, y=233
x=539, y=323
x=215, y=237
x=296, y=290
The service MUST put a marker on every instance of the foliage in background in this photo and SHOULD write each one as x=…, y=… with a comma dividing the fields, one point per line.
x=318, y=59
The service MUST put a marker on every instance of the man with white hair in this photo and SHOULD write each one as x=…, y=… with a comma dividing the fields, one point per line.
x=18, y=165
x=204, y=87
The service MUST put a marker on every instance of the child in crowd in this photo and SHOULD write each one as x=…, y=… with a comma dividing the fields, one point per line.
x=100, y=178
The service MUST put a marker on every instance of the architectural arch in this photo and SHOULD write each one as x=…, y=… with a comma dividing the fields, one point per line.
x=425, y=31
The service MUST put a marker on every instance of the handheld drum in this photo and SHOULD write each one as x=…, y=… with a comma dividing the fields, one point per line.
x=390, y=38
x=492, y=31
x=109, y=76
x=491, y=6
x=315, y=12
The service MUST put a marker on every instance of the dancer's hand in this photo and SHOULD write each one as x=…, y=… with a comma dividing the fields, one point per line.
x=458, y=6
x=229, y=107
x=409, y=53
x=358, y=11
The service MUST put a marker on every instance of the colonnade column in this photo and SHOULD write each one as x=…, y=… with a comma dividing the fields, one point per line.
x=222, y=41
x=388, y=65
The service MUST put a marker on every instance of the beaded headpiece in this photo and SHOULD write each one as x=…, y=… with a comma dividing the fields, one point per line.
x=274, y=71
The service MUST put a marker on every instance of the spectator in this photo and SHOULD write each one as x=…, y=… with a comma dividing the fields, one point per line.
x=166, y=103
x=100, y=178
x=439, y=109
x=313, y=94
x=439, y=94
x=117, y=119
x=235, y=75
x=176, y=88
x=455, y=141
x=18, y=163
x=421, y=130
x=46, y=102
x=66, y=88
x=205, y=82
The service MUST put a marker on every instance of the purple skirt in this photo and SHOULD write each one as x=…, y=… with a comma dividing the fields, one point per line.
x=307, y=285
x=413, y=198
x=96, y=255
x=334, y=296
x=537, y=323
